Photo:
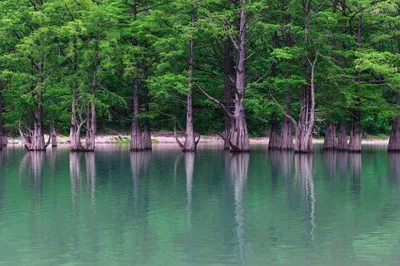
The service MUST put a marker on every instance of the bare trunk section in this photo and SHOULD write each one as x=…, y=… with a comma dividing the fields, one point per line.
x=2, y=133
x=91, y=123
x=355, y=131
x=77, y=120
x=37, y=137
x=137, y=139
x=239, y=136
x=303, y=143
x=286, y=135
x=136, y=136
x=355, y=135
x=394, y=140
x=274, y=137
x=53, y=134
x=286, y=132
x=304, y=127
x=342, y=138
x=146, y=134
x=34, y=140
x=330, y=137
x=190, y=143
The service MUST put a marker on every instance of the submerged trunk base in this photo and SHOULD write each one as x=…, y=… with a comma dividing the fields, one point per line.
x=394, y=140
x=330, y=137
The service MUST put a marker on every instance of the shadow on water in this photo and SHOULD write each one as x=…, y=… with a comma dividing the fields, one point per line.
x=238, y=168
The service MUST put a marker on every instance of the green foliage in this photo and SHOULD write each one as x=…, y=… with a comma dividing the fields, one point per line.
x=39, y=41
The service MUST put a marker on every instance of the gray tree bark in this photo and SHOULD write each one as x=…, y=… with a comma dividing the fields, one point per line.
x=342, y=138
x=330, y=137
x=239, y=137
x=394, y=140
x=53, y=133
x=274, y=136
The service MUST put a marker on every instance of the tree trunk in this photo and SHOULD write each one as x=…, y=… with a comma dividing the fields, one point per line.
x=137, y=139
x=53, y=133
x=190, y=142
x=342, y=139
x=35, y=140
x=91, y=123
x=146, y=130
x=76, y=119
x=229, y=72
x=394, y=140
x=286, y=135
x=146, y=135
x=355, y=131
x=136, y=136
x=274, y=137
x=305, y=126
x=91, y=128
x=303, y=143
x=330, y=137
x=239, y=137
x=355, y=135
x=2, y=133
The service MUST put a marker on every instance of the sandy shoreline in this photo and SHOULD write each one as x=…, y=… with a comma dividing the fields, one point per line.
x=169, y=138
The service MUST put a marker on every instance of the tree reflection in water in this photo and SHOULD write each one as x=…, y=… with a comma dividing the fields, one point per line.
x=394, y=169
x=239, y=165
x=75, y=175
x=52, y=161
x=33, y=163
x=355, y=163
x=342, y=158
x=189, y=168
x=304, y=167
x=330, y=163
x=91, y=176
x=140, y=163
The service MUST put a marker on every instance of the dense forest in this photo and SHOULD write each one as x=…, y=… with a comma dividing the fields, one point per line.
x=291, y=68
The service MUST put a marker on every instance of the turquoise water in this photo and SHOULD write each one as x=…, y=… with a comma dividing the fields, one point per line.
x=163, y=207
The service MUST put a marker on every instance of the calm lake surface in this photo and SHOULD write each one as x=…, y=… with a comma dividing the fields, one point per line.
x=210, y=208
